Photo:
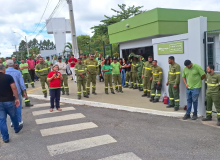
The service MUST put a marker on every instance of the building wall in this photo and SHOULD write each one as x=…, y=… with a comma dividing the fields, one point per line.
x=193, y=50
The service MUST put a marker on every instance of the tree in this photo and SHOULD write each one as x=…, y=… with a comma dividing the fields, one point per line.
x=68, y=46
x=122, y=14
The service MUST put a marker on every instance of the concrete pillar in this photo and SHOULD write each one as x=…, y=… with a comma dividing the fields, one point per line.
x=196, y=29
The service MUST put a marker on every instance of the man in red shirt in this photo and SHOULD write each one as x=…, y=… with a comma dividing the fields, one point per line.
x=72, y=62
x=31, y=67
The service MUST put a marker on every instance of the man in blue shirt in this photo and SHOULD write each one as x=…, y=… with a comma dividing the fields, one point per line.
x=19, y=82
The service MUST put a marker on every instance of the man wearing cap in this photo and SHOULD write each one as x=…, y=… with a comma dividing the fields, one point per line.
x=62, y=69
x=42, y=70
x=81, y=71
x=116, y=75
x=19, y=82
x=146, y=75
x=173, y=82
x=26, y=76
x=92, y=71
x=72, y=62
x=157, y=77
x=193, y=74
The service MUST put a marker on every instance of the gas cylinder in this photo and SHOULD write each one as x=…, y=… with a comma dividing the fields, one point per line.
x=165, y=99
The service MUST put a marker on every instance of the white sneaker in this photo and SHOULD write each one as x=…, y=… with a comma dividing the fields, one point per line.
x=21, y=123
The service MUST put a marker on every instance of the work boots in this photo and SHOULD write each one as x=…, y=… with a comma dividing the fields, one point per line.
x=63, y=93
x=207, y=119
x=151, y=99
x=156, y=100
x=170, y=106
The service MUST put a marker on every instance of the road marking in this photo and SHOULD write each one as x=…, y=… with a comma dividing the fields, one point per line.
x=124, y=156
x=68, y=128
x=33, y=89
x=80, y=144
x=60, y=118
x=43, y=105
x=36, y=113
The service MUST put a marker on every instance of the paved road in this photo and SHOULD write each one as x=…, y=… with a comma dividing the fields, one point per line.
x=88, y=133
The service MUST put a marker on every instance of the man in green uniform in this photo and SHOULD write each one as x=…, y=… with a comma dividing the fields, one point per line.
x=92, y=71
x=25, y=74
x=84, y=58
x=157, y=82
x=134, y=73
x=42, y=69
x=139, y=67
x=64, y=81
x=116, y=75
x=212, y=93
x=128, y=73
x=80, y=70
x=146, y=75
x=173, y=82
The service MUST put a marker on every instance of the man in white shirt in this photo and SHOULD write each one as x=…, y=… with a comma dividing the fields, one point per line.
x=62, y=70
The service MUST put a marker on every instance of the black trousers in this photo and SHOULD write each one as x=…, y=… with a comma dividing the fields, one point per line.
x=55, y=96
x=32, y=74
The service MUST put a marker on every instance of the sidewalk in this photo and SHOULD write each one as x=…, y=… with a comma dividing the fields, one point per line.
x=130, y=100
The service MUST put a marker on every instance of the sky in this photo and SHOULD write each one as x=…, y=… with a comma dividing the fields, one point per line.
x=22, y=16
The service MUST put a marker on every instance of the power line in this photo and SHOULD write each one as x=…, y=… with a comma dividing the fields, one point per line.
x=41, y=18
x=51, y=16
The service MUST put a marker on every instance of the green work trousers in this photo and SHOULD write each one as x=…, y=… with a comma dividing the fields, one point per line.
x=154, y=91
x=210, y=99
x=117, y=81
x=91, y=77
x=108, y=81
x=127, y=78
x=134, y=79
x=174, y=95
x=27, y=77
x=81, y=83
x=27, y=102
x=64, y=84
x=43, y=80
x=147, y=85
x=140, y=81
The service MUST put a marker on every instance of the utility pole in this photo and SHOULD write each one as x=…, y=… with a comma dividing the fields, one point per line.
x=27, y=45
x=16, y=51
x=73, y=30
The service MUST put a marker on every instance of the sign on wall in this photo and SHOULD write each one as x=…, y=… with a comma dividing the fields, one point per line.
x=170, y=48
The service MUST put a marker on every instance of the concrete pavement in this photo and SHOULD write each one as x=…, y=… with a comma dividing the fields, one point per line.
x=130, y=98
x=88, y=133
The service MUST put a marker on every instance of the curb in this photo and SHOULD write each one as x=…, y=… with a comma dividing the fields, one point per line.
x=112, y=106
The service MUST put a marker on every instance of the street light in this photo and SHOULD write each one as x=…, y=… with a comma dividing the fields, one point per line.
x=26, y=42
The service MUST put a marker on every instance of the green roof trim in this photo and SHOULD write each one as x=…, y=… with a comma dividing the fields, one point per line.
x=159, y=21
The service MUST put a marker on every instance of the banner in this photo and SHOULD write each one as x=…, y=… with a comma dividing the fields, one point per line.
x=170, y=48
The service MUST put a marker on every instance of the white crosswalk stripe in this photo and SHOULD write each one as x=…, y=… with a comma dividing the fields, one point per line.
x=60, y=118
x=68, y=128
x=124, y=156
x=80, y=144
x=42, y=105
x=36, y=113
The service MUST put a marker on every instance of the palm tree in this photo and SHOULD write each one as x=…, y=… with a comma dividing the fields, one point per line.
x=68, y=46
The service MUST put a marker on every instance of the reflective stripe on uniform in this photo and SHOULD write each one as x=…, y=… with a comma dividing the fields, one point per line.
x=87, y=87
x=66, y=87
x=81, y=70
x=44, y=89
x=148, y=68
x=213, y=85
x=177, y=100
x=171, y=99
x=155, y=74
x=158, y=94
x=145, y=90
x=62, y=87
x=84, y=91
x=44, y=69
x=209, y=112
x=218, y=114
x=160, y=72
x=27, y=100
x=119, y=85
x=93, y=86
x=153, y=94
x=78, y=92
x=91, y=66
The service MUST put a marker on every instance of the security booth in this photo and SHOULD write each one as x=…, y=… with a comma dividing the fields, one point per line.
x=169, y=32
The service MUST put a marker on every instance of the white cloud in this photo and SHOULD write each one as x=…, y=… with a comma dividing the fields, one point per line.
x=22, y=15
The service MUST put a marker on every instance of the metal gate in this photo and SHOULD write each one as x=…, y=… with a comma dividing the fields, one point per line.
x=212, y=48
